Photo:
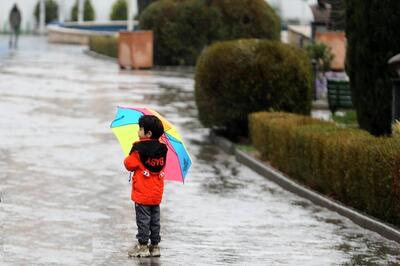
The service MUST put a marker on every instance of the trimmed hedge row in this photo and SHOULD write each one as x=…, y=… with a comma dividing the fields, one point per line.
x=106, y=45
x=348, y=165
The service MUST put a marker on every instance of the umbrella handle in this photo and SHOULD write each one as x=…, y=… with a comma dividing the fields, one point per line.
x=130, y=177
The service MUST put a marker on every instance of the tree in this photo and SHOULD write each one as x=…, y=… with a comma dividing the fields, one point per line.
x=373, y=38
x=322, y=54
x=119, y=10
x=338, y=16
x=88, y=11
x=51, y=10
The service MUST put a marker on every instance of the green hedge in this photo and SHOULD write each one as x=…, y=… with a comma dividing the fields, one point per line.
x=106, y=45
x=235, y=78
x=182, y=29
x=348, y=165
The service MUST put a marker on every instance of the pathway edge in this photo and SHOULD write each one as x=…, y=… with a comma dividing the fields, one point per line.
x=286, y=183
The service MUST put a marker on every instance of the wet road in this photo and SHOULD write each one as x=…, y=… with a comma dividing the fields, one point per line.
x=65, y=194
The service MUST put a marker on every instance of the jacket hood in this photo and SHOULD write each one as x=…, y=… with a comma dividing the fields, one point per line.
x=152, y=153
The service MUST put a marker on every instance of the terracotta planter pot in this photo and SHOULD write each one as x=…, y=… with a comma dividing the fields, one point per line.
x=337, y=42
x=135, y=49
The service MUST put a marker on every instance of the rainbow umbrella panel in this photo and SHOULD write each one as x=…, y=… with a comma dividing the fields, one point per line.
x=125, y=127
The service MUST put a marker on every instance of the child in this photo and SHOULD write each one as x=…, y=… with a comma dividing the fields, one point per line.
x=147, y=159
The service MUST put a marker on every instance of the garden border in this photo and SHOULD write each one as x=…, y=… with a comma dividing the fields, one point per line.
x=363, y=220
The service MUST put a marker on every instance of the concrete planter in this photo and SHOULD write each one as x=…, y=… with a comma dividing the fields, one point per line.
x=135, y=49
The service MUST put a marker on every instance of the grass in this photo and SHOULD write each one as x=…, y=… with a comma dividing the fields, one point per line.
x=246, y=148
x=346, y=118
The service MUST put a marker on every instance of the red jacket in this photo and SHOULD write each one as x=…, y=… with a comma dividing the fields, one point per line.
x=147, y=159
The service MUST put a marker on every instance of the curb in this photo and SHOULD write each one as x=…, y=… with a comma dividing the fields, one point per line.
x=286, y=183
x=185, y=70
x=100, y=56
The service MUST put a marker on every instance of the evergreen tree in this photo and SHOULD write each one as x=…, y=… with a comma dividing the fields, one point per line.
x=373, y=38
x=338, y=16
x=119, y=10
x=88, y=11
x=51, y=10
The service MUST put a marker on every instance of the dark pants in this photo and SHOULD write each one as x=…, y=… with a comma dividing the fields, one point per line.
x=14, y=38
x=148, y=223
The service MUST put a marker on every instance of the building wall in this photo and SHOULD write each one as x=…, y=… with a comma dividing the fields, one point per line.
x=27, y=7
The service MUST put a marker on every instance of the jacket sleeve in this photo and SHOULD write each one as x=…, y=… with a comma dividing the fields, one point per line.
x=132, y=162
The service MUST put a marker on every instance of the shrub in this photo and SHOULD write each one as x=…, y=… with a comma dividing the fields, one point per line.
x=88, y=11
x=106, y=45
x=372, y=36
x=235, y=78
x=119, y=10
x=247, y=19
x=349, y=165
x=51, y=10
x=182, y=28
x=143, y=4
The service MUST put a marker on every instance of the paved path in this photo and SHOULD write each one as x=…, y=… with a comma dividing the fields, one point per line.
x=65, y=195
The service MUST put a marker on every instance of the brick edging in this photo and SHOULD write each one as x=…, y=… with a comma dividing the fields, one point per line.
x=286, y=183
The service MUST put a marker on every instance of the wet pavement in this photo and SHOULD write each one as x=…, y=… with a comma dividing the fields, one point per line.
x=65, y=194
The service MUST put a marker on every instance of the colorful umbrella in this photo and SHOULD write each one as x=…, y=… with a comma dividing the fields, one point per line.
x=125, y=127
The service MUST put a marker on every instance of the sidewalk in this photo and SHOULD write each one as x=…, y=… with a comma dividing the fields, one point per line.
x=65, y=196
x=251, y=161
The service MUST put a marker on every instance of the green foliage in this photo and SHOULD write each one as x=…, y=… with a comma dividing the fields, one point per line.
x=338, y=16
x=88, y=11
x=143, y=4
x=183, y=28
x=348, y=118
x=235, y=78
x=372, y=37
x=247, y=19
x=119, y=10
x=348, y=165
x=106, y=45
x=51, y=10
x=322, y=54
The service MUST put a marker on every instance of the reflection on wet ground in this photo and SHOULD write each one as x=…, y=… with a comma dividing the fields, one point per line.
x=65, y=196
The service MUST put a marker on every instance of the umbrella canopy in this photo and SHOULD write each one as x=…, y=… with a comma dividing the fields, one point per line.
x=125, y=127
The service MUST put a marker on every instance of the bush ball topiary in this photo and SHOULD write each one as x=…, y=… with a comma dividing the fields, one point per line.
x=247, y=19
x=235, y=78
x=183, y=28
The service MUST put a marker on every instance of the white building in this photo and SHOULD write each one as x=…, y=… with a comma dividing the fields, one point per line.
x=27, y=7
x=289, y=9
